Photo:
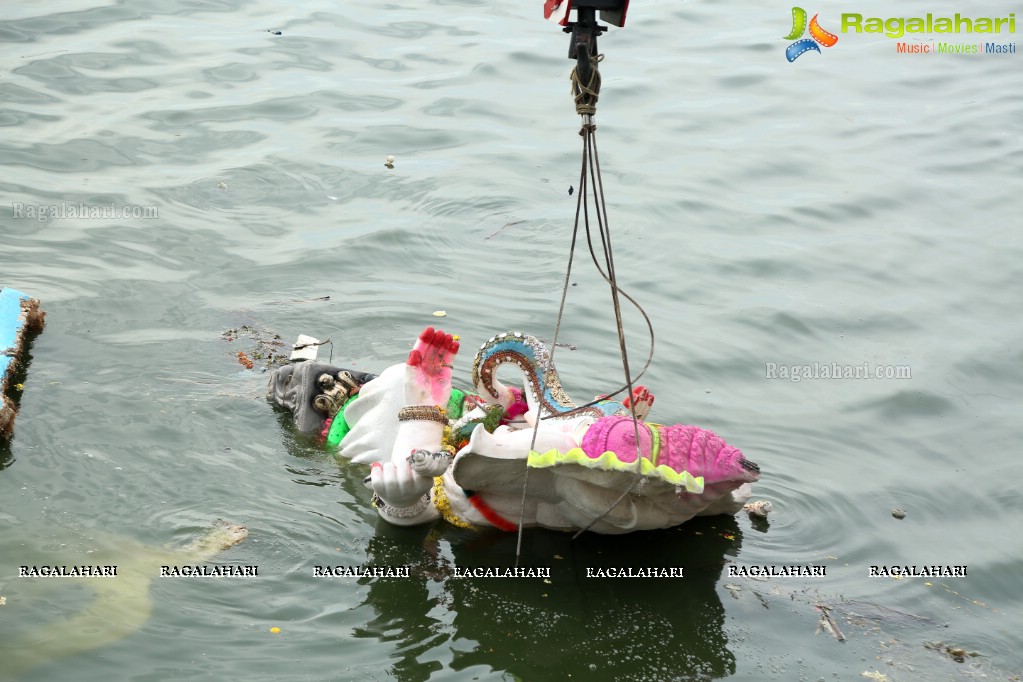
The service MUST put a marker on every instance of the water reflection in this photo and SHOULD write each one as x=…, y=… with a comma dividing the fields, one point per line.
x=618, y=628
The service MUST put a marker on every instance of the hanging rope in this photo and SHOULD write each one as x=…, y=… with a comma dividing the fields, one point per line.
x=554, y=346
x=589, y=136
x=585, y=96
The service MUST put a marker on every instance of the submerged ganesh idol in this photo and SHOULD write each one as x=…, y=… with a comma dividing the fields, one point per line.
x=440, y=452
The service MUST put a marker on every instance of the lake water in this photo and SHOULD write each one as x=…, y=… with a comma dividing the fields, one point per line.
x=854, y=206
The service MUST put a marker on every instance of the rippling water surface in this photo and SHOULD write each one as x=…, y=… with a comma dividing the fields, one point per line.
x=856, y=206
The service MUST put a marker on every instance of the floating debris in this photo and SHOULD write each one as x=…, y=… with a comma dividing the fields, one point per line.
x=266, y=346
x=874, y=675
x=899, y=513
x=956, y=653
x=275, y=630
x=307, y=347
x=389, y=161
x=827, y=623
x=298, y=300
x=891, y=629
x=759, y=508
x=860, y=612
x=509, y=224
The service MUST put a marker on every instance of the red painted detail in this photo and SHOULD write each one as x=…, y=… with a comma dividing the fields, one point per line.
x=550, y=6
x=490, y=515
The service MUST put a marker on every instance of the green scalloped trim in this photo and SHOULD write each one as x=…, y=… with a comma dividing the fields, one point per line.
x=609, y=462
x=655, y=442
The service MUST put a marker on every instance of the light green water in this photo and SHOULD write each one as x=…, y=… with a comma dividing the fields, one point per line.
x=854, y=206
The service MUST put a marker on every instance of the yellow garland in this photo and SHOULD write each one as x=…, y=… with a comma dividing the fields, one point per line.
x=443, y=504
x=447, y=442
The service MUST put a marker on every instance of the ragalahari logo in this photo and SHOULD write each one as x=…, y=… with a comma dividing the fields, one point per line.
x=818, y=35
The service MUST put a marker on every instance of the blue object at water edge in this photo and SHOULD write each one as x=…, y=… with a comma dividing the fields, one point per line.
x=20, y=318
